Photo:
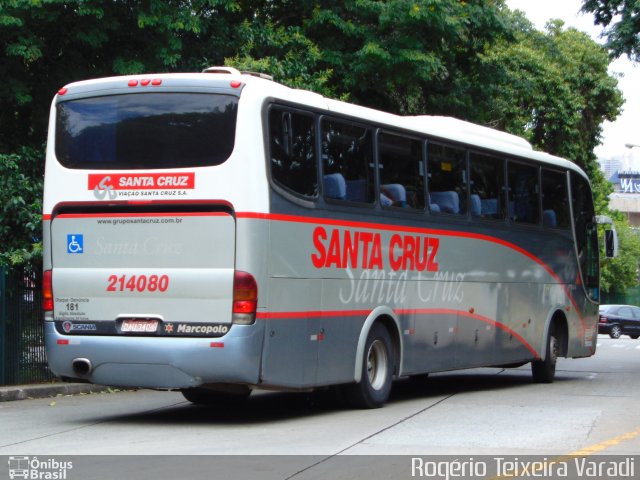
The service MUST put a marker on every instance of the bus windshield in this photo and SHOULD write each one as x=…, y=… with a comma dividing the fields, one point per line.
x=146, y=130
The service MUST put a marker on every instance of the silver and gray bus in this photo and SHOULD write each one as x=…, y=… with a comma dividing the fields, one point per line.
x=218, y=232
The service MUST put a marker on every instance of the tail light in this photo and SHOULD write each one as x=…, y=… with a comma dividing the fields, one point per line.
x=603, y=319
x=47, y=292
x=245, y=298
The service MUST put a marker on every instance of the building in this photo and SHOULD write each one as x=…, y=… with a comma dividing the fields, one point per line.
x=624, y=173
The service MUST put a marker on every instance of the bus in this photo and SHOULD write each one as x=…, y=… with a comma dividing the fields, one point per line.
x=218, y=232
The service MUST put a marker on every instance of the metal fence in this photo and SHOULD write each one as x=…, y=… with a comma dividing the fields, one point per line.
x=629, y=297
x=22, y=352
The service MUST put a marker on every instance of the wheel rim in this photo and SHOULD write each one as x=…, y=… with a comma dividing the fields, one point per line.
x=377, y=364
x=554, y=348
x=615, y=331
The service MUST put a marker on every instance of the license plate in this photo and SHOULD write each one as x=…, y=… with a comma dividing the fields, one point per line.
x=139, y=326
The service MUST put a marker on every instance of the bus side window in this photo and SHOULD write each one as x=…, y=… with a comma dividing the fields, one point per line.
x=292, y=151
x=555, y=199
x=447, y=179
x=487, y=186
x=524, y=205
x=347, y=150
x=401, y=171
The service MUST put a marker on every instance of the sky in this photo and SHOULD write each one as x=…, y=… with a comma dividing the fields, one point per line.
x=626, y=128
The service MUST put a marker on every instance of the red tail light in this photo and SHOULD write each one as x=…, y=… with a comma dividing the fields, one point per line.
x=47, y=292
x=245, y=298
x=603, y=319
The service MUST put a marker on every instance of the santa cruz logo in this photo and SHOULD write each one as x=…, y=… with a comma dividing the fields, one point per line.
x=104, y=189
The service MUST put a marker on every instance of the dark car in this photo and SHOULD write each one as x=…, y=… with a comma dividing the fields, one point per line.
x=619, y=320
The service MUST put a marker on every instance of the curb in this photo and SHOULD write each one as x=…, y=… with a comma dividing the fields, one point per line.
x=26, y=392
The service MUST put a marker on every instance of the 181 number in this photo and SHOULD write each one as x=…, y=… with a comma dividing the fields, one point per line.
x=140, y=283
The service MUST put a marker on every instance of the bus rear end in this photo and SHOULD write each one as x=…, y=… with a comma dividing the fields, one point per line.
x=141, y=285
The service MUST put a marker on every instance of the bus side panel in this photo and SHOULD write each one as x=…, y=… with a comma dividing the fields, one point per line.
x=290, y=354
x=485, y=299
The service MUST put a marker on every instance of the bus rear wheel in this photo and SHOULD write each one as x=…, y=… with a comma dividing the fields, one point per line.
x=544, y=371
x=374, y=387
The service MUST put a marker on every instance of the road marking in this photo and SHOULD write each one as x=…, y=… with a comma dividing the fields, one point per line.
x=606, y=444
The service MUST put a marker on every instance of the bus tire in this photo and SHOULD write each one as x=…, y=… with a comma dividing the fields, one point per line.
x=544, y=371
x=374, y=387
x=205, y=396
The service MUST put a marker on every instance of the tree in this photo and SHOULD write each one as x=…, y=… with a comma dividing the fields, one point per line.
x=471, y=59
x=553, y=88
x=407, y=57
x=47, y=44
x=20, y=206
x=618, y=274
x=622, y=17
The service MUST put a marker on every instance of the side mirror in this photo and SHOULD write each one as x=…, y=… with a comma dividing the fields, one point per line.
x=610, y=236
x=610, y=243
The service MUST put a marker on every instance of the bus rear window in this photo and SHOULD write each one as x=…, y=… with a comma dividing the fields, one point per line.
x=146, y=130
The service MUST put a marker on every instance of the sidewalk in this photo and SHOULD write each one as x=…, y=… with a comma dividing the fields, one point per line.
x=44, y=390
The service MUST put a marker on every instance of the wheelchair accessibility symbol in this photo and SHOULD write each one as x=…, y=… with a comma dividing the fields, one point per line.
x=75, y=243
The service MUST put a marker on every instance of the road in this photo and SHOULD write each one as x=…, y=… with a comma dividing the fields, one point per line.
x=591, y=408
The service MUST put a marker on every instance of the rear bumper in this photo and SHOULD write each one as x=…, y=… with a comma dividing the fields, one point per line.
x=156, y=362
x=604, y=328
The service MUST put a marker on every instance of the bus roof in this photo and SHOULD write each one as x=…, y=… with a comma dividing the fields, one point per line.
x=440, y=127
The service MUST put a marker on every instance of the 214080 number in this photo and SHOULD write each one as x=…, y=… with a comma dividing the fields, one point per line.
x=139, y=283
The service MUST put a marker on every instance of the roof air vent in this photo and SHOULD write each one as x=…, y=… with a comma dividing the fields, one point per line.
x=227, y=70
x=259, y=75
x=234, y=71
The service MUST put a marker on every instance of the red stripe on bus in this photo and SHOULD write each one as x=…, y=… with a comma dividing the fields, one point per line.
x=393, y=228
x=402, y=311
x=141, y=214
x=475, y=316
x=312, y=314
x=425, y=231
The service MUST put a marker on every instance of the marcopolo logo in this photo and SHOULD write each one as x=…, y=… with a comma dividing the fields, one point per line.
x=196, y=329
x=38, y=469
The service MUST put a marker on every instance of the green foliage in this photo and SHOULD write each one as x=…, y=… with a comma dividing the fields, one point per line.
x=47, y=44
x=20, y=206
x=471, y=59
x=618, y=274
x=408, y=57
x=622, y=17
x=285, y=53
x=553, y=88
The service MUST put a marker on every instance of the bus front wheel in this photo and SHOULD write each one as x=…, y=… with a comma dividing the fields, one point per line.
x=544, y=371
x=372, y=391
